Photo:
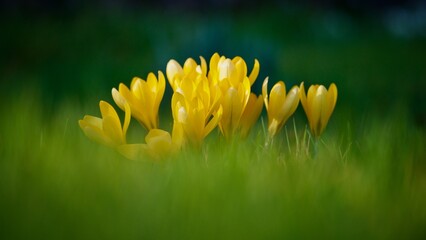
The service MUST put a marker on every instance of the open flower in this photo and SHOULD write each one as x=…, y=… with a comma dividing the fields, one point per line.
x=234, y=70
x=144, y=98
x=279, y=105
x=106, y=130
x=191, y=82
x=318, y=105
x=230, y=77
x=190, y=70
x=194, y=118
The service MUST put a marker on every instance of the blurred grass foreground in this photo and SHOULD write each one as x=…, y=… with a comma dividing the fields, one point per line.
x=367, y=181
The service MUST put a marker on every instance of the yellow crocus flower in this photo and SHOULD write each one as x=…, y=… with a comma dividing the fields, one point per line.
x=230, y=76
x=144, y=98
x=235, y=70
x=190, y=70
x=194, y=118
x=234, y=102
x=106, y=130
x=191, y=82
x=318, y=105
x=279, y=105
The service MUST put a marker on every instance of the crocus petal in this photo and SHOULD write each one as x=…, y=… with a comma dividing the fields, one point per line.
x=255, y=72
x=251, y=113
x=108, y=111
x=178, y=102
x=265, y=93
x=309, y=100
x=290, y=104
x=189, y=66
x=302, y=95
x=96, y=134
x=226, y=68
x=159, y=141
x=203, y=66
x=231, y=106
x=331, y=99
x=277, y=98
x=161, y=87
x=214, y=121
x=173, y=68
x=177, y=135
x=127, y=117
x=113, y=130
x=91, y=121
x=133, y=151
x=318, y=105
x=240, y=67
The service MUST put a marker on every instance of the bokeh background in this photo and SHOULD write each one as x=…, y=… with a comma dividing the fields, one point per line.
x=73, y=50
x=59, y=58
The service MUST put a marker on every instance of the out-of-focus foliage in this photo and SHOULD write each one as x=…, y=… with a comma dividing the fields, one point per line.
x=83, y=55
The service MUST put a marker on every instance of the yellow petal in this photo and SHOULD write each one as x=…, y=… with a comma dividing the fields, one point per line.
x=290, y=104
x=255, y=72
x=173, y=68
x=231, y=105
x=97, y=135
x=177, y=135
x=182, y=115
x=265, y=92
x=241, y=68
x=226, y=69
x=203, y=66
x=133, y=151
x=318, y=103
x=161, y=87
x=126, y=94
x=91, y=121
x=246, y=92
x=302, y=95
x=214, y=61
x=134, y=81
x=159, y=141
x=178, y=101
x=331, y=99
x=151, y=81
x=214, y=121
x=251, y=113
x=189, y=66
x=196, y=121
x=113, y=130
x=127, y=117
x=108, y=110
x=276, y=100
x=309, y=102
x=118, y=98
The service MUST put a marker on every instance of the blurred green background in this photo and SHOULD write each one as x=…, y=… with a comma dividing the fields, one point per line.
x=58, y=59
x=373, y=51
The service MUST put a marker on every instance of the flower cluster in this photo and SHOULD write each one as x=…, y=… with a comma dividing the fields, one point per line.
x=204, y=96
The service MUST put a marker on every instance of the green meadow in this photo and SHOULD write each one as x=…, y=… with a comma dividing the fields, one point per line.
x=367, y=179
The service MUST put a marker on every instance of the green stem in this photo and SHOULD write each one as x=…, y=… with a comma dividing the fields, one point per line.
x=316, y=140
x=269, y=142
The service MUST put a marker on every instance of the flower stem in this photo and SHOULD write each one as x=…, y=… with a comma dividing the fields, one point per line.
x=316, y=141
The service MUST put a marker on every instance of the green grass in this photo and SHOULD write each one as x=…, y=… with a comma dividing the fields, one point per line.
x=368, y=180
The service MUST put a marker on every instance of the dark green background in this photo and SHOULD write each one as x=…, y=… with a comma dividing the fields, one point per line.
x=375, y=54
